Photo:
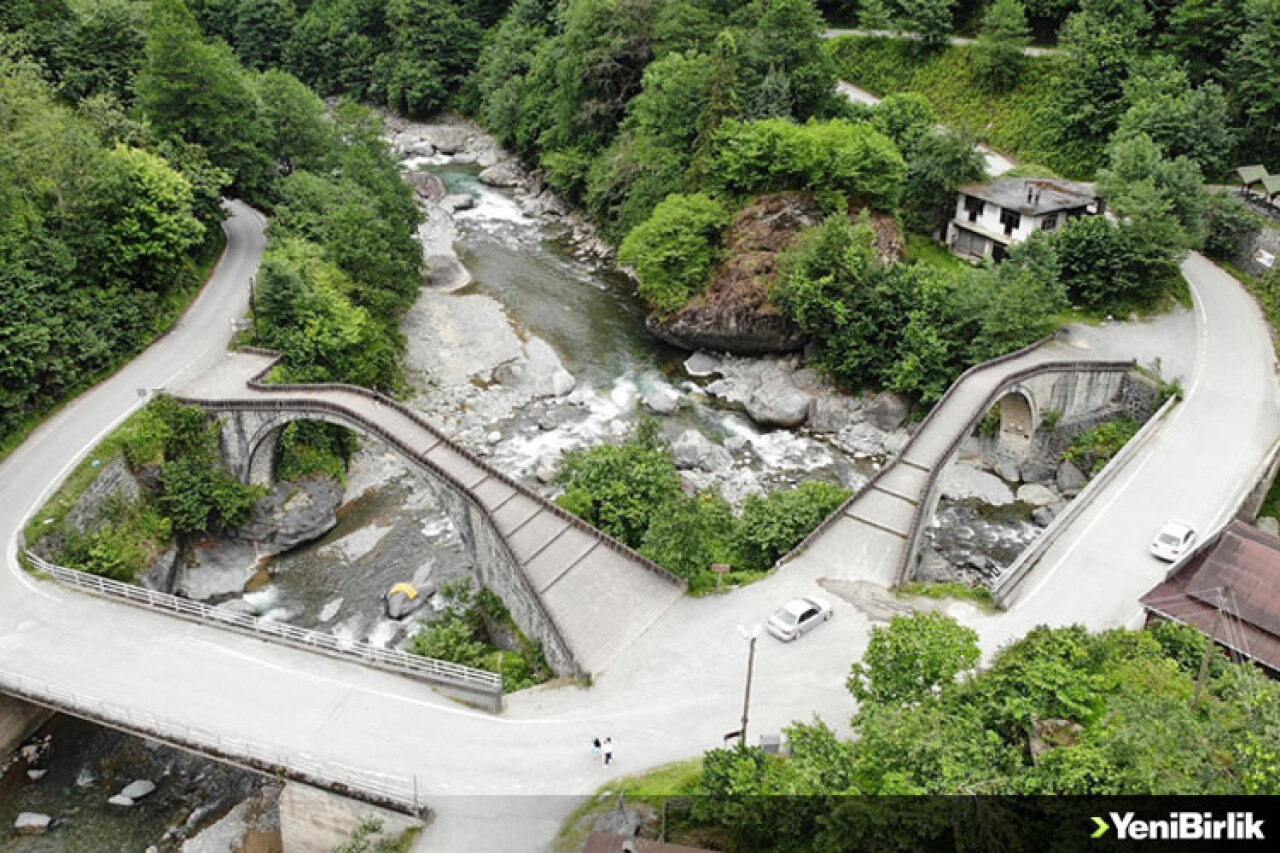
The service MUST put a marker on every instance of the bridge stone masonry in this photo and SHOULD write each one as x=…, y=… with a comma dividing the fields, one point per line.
x=881, y=527
x=584, y=596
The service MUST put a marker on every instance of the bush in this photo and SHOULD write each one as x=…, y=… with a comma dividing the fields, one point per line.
x=1091, y=451
x=834, y=156
x=675, y=250
x=621, y=488
x=771, y=526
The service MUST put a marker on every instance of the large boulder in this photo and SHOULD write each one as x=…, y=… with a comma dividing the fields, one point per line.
x=1267, y=524
x=962, y=482
x=446, y=138
x=734, y=313
x=426, y=184
x=1070, y=479
x=662, y=400
x=778, y=402
x=505, y=174
x=1036, y=494
x=888, y=410
x=138, y=789
x=32, y=823
x=694, y=450
x=458, y=201
x=702, y=364
x=446, y=273
x=833, y=412
x=216, y=567
x=537, y=372
x=294, y=513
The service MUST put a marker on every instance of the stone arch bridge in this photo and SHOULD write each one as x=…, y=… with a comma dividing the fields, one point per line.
x=880, y=528
x=581, y=594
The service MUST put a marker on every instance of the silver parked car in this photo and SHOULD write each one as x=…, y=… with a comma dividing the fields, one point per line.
x=1173, y=540
x=799, y=616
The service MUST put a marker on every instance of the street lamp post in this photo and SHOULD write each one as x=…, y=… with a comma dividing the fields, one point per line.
x=751, y=637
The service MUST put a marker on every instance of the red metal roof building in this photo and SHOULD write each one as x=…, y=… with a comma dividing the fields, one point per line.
x=1241, y=569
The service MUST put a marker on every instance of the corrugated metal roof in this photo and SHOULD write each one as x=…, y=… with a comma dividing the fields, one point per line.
x=1245, y=563
x=1251, y=174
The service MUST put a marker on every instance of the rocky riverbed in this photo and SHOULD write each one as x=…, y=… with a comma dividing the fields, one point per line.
x=75, y=787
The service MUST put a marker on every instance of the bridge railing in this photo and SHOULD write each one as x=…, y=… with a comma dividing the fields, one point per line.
x=367, y=786
x=486, y=685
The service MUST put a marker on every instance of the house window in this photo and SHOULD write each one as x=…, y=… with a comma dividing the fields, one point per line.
x=973, y=207
x=1010, y=219
x=1050, y=222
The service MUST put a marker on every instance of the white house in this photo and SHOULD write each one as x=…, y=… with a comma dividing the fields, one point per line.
x=989, y=218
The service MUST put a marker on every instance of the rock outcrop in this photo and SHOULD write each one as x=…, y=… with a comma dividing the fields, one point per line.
x=735, y=314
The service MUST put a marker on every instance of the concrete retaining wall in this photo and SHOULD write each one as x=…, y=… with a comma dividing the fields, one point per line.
x=1267, y=239
x=312, y=819
x=18, y=719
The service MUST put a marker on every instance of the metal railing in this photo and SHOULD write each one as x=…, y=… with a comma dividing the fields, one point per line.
x=353, y=782
x=443, y=673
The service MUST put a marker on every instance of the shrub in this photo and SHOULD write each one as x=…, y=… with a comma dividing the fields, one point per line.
x=675, y=250
x=771, y=526
x=1090, y=451
x=1229, y=222
x=621, y=488
x=774, y=155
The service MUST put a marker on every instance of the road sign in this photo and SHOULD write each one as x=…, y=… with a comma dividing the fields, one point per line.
x=721, y=568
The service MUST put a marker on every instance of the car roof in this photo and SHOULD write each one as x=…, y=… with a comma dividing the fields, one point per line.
x=1175, y=526
x=803, y=603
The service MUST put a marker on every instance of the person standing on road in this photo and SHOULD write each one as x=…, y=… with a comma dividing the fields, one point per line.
x=608, y=751
x=595, y=747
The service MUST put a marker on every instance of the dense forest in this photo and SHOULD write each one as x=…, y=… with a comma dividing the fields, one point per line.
x=124, y=127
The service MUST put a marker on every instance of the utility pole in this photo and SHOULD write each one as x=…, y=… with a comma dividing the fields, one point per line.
x=1208, y=649
x=751, y=637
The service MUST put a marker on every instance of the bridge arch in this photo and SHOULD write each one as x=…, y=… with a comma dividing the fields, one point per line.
x=257, y=455
x=1019, y=420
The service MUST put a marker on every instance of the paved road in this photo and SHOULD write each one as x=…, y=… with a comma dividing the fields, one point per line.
x=958, y=40
x=995, y=163
x=670, y=695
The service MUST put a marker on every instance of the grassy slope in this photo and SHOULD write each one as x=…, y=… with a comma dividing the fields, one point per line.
x=1015, y=122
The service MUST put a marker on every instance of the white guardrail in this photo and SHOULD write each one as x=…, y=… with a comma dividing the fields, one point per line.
x=446, y=674
x=377, y=789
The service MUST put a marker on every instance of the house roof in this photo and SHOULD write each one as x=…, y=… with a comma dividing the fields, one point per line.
x=1271, y=183
x=1251, y=174
x=1244, y=563
x=609, y=842
x=1053, y=194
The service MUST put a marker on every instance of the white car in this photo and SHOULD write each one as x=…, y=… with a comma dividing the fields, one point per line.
x=798, y=617
x=1173, y=540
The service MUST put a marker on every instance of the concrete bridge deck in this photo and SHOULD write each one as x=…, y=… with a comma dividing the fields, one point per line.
x=595, y=595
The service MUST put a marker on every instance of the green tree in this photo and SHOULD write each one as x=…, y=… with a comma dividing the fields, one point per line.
x=998, y=60
x=148, y=226
x=690, y=534
x=911, y=658
x=1180, y=119
x=772, y=525
x=931, y=20
x=941, y=161
x=304, y=312
x=904, y=118
x=260, y=29
x=103, y=51
x=196, y=92
x=675, y=250
x=298, y=134
x=1253, y=68
x=621, y=489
